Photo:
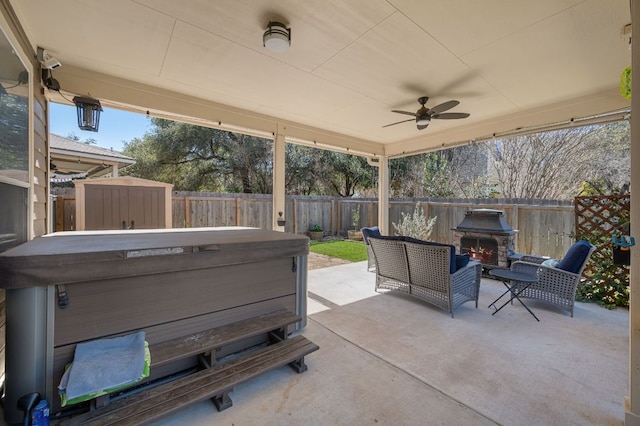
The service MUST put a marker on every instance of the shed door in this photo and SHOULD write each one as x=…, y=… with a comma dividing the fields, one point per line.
x=105, y=207
x=146, y=207
x=124, y=207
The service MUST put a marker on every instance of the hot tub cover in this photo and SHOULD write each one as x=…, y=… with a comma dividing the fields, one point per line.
x=70, y=257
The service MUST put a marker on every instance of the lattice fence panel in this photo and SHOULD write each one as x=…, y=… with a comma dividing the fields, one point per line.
x=598, y=218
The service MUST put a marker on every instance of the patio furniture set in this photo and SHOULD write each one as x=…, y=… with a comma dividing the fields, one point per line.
x=433, y=272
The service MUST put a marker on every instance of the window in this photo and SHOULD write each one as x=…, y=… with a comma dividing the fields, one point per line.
x=14, y=114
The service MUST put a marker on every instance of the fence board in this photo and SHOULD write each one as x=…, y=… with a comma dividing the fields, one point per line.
x=545, y=227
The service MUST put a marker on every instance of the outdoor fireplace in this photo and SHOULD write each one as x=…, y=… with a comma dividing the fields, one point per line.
x=486, y=236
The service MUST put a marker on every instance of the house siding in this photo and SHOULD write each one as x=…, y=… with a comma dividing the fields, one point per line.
x=39, y=197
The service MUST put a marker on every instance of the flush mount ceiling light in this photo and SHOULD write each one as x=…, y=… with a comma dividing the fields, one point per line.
x=277, y=38
x=88, y=113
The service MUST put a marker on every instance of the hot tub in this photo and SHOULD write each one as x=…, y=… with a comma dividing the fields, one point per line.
x=71, y=287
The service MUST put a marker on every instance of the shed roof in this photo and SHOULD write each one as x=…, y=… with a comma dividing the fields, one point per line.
x=79, y=158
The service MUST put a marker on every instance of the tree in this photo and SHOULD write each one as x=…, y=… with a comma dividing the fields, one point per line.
x=455, y=172
x=14, y=135
x=301, y=171
x=611, y=172
x=406, y=176
x=198, y=158
x=437, y=175
x=468, y=167
x=343, y=174
x=548, y=165
x=89, y=141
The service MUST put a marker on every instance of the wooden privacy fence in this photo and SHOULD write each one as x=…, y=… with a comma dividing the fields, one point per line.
x=545, y=227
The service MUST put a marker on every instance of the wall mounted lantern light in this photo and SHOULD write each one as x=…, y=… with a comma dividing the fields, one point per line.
x=88, y=113
x=281, y=221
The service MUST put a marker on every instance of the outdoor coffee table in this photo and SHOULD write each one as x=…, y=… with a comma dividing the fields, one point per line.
x=507, y=276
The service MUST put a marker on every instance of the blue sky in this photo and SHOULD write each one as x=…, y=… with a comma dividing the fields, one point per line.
x=116, y=126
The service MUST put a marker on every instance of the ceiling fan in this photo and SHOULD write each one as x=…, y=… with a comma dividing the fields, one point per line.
x=424, y=115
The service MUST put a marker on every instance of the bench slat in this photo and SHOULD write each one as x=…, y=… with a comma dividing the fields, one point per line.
x=165, y=399
x=172, y=350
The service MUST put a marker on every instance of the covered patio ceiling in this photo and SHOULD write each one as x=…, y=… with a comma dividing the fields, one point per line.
x=514, y=65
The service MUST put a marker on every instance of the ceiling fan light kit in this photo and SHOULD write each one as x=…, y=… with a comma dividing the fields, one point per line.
x=423, y=121
x=424, y=115
x=277, y=37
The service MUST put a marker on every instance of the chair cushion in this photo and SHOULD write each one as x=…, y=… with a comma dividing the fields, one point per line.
x=452, y=253
x=575, y=257
x=373, y=231
x=462, y=260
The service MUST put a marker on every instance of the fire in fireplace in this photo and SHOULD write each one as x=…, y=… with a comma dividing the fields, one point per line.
x=486, y=236
x=483, y=249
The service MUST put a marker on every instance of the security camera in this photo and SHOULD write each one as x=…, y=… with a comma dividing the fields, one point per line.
x=47, y=61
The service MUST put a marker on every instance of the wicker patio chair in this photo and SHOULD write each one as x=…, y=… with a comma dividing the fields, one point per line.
x=556, y=285
x=373, y=231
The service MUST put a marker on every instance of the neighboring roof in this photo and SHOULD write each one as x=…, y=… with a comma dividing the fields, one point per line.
x=513, y=65
x=74, y=157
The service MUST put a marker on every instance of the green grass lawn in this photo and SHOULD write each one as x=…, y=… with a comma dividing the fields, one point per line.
x=353, y=251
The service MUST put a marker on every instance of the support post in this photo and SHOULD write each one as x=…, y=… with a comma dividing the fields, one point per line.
x=279, y=189
x=383, y=195
x=632, y=403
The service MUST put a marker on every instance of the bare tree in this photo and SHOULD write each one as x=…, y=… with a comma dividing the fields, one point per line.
x=468, y=167
x=612, y=172
x=549, y=165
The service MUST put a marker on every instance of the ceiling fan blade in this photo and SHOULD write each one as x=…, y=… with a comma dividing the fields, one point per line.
x=404, y=112
x=450, y=115
x=443, y=107
x=422, y=126
x=403, y=121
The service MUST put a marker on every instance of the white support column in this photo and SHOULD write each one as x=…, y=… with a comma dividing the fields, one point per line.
x=114, y=170
x=383, y=196
x=279, y=190
x=632, y=404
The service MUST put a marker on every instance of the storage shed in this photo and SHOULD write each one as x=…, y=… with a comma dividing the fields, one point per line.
x=122, y=203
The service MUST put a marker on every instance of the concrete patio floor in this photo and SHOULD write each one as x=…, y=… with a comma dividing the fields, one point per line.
x=387, y=359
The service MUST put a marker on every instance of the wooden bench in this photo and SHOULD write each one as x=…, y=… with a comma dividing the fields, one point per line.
x=215, y=380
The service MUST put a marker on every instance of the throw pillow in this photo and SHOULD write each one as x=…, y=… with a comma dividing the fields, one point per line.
x=573, y=260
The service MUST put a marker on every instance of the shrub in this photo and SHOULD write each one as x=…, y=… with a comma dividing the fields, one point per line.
x=606, y=284
x=415, y=225
x=315, y=228
x=355, y=217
